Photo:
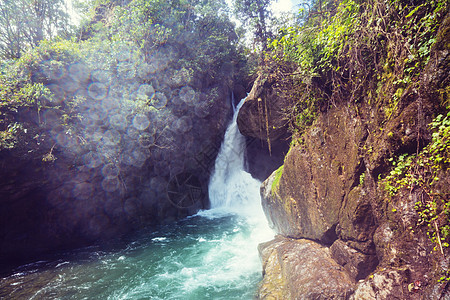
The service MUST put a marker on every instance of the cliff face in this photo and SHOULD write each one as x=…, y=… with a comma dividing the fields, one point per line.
x=331, y=209
x=115, y=162
x=260, y=118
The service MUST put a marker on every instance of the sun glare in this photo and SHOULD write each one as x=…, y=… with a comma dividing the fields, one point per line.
x=74, y=16
x=281, y=6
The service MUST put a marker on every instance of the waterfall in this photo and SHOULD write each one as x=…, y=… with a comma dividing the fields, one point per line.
x=231, y=188
x=211, y=255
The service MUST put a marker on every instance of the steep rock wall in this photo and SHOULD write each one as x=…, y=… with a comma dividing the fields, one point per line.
x=321, y=194
x=329, y=191
x=129, y=150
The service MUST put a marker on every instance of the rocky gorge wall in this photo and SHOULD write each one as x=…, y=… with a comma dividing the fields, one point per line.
x=135, y=150
x=339, y=235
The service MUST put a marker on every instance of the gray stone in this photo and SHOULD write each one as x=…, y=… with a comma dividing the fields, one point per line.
x=301, y=269
x=357, y=264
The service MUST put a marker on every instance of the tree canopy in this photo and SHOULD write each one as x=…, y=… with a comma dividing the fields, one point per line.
x=256, y=14
x=25, y=23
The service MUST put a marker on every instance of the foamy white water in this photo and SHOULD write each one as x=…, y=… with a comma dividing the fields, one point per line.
x=231, y=187
x=212, y=255
x=232, y=190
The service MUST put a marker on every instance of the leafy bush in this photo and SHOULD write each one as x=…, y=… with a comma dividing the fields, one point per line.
x=422, y=173
x=149, y=26
x=354, y=51
x=23, y=85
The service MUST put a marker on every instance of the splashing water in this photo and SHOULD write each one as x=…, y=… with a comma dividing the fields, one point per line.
x=231, y=188
x=212, y=255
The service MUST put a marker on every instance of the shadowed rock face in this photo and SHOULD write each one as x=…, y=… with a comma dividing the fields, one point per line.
x=317, y=177
x=328, y=192
x=261, y=161
x=357, y=264
x=108, y=170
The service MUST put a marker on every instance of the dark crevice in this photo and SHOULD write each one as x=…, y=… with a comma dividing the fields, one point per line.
x=330, y=236
x=358, y=172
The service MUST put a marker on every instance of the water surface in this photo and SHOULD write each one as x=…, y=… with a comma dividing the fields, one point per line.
x=208, y=256
x=212, y=255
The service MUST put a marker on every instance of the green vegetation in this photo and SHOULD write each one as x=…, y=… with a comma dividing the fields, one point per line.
x=255, y=13
x=189, y=41
x=23, y=86
x=277, y=178
x=319, y=43
x=362, y=178
x=370, y=53
x=24, y=24
x=147, y=26
x=422, y=173
x=352, y=52
x=8, y=137
x=445, y=277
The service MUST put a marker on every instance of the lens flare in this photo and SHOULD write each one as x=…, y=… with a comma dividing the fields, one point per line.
x=187, y=94
x=97, y=90
x=110, y=171
x=110, y=184
x=141, y=122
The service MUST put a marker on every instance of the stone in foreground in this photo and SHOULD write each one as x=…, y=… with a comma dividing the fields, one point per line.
x=301, y=269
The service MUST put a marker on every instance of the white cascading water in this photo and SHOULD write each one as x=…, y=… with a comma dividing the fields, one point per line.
x=231, y=187
x=212, y=255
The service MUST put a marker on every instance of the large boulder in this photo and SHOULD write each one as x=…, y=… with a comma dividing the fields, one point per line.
x=309, y=196
x=301, y=269
x=262, y=115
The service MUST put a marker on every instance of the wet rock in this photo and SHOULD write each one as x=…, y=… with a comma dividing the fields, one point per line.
x=301, y=269
x=357, y=264
x=261, y=115
x=306, y=200
x=274, y=284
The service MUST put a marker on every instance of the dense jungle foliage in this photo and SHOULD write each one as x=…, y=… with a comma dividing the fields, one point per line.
x=126, y=38
x=343, y=50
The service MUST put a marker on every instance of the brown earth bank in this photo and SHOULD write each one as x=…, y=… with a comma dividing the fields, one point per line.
x=340, y=234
